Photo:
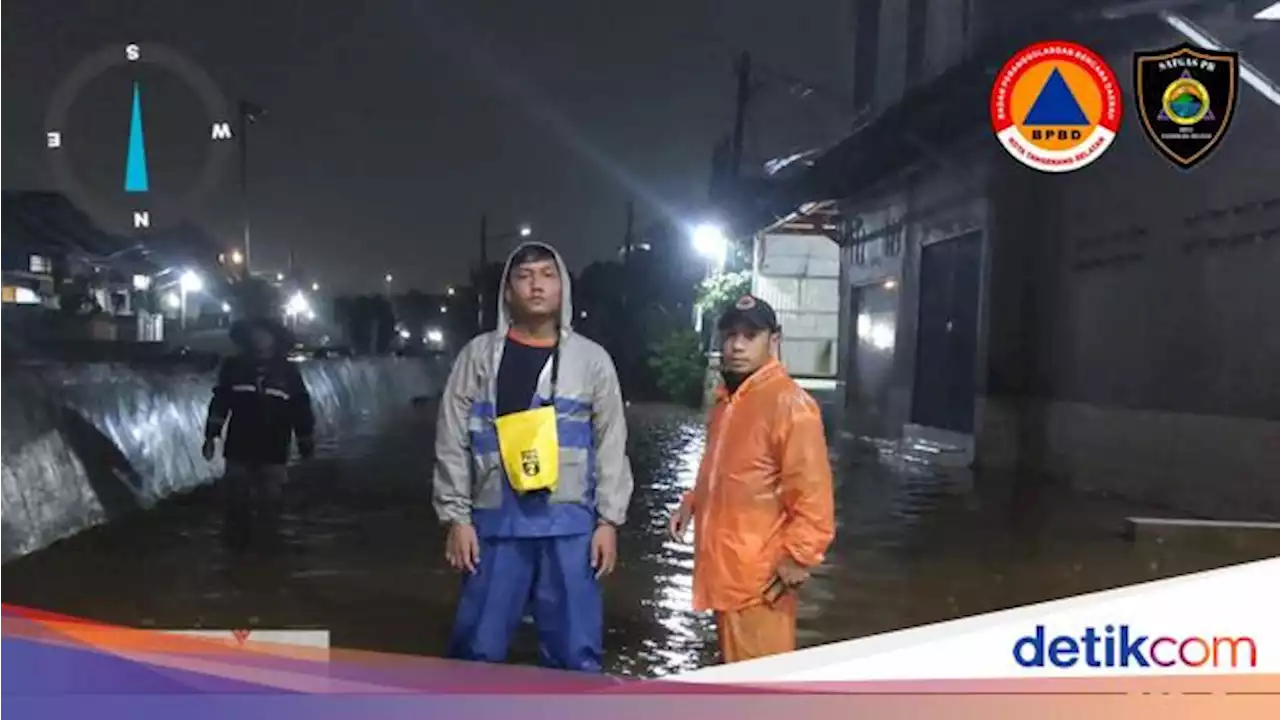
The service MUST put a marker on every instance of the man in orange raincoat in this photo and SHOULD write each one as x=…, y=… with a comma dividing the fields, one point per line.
x=763, y=507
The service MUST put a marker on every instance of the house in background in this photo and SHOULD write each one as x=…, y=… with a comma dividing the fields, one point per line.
x=122, y=289
x=1108, y=326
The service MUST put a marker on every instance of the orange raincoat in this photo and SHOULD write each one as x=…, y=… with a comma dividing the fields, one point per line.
x=763, y=491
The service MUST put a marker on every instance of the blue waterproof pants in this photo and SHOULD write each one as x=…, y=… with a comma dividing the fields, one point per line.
x=552, y=576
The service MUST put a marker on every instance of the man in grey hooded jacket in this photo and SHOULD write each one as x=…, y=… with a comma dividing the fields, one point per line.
x=543, y=551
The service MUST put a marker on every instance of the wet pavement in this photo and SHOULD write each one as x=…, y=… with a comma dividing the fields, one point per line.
x=361, y=554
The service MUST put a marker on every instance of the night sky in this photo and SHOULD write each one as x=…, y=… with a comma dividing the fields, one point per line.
x=393, y=124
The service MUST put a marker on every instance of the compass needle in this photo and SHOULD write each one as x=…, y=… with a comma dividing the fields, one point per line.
x=135, y=178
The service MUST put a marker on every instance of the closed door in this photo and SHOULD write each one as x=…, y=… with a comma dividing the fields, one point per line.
x=947, y=339
x=874, y=316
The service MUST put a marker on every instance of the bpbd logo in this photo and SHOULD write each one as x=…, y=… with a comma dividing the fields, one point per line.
x=1120, y=646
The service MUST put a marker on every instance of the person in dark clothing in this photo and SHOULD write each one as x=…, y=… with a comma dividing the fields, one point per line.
x=262, y=401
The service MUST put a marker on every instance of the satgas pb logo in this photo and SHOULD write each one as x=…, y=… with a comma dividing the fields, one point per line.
x=1120, y=646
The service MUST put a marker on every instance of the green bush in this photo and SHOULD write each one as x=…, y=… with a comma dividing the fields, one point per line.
x=679, y=365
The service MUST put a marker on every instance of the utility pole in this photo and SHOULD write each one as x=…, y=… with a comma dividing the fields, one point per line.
x=742, y=69
x=249, y=114
x=628, y=247
x=480, y=271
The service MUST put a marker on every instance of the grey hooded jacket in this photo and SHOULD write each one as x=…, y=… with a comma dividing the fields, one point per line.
x=595, y=473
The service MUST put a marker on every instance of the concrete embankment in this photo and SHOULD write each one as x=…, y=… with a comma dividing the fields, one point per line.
x=84, y=444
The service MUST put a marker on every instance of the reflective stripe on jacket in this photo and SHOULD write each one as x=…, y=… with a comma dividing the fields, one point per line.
x=763, y=491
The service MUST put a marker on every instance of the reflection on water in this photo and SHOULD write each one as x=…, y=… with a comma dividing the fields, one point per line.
x=362, y=554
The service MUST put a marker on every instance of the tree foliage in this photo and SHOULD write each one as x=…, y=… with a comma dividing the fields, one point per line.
x=679, y=366
x=717, y=292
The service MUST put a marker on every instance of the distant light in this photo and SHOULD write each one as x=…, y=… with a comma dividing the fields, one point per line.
x=444, y=309
x=404, y=334
x=583, y=314
x=434, y=336
x=141, y=283
x=172, y=300
x=226, y=307
x=525, y=231
x=297, y=305
x=279, y=277
x=310, y=314
x=191, y=282
x=237, y=257
x=388, y=277
x=315, y=287
x=890, y=284
x=710, y=242
x=1271, y=12
x=450, y=291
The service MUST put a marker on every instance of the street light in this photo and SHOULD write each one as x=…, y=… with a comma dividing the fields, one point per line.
x=450, y=291
x=189, y=282
x=315, y=287
x=524, y=230
x=710, y=242
x=296, y=306
x=237, y=257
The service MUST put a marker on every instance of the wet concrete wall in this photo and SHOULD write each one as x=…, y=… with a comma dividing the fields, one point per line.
x=88, y=443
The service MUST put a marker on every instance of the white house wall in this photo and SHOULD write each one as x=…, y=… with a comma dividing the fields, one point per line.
x=799, y=276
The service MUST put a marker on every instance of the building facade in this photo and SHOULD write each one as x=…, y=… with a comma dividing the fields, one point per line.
x=1109, y=326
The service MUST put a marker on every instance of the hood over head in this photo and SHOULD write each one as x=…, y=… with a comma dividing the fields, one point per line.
x=240, y=331
x=566, y=291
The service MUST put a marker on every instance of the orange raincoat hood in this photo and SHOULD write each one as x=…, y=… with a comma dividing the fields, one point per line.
x=764, y=490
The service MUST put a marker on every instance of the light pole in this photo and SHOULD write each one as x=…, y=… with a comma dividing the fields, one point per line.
x=523, y=231
x=188, y=283
x=711, y=243
x=249, y=114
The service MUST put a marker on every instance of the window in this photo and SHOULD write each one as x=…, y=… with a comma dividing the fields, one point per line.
x=866, y=36
x=40, y=265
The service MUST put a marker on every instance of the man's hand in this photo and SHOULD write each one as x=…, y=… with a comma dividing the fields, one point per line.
x=678, y=526
x=792, y=574
x=604, y=549
x=462, y=548
x=210, y=445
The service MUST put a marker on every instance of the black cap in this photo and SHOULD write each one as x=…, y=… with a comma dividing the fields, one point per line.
x=751, y=311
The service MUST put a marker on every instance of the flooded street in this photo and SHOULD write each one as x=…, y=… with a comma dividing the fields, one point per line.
x=362, y=554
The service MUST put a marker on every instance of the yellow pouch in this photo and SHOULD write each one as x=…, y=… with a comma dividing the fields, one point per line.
x=530, y=447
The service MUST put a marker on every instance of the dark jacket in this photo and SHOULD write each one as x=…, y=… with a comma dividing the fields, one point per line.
x=263, y=403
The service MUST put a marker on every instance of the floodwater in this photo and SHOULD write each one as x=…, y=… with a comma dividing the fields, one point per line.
x=361, y=554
